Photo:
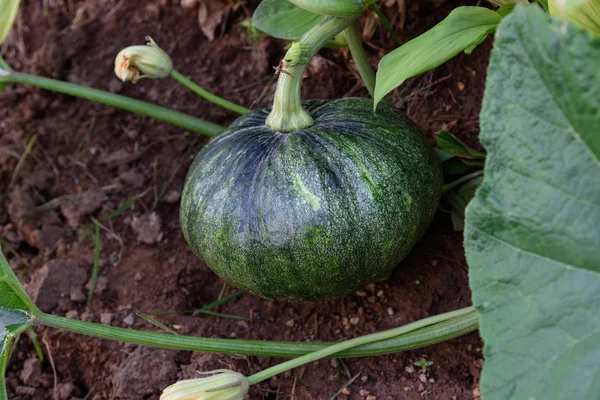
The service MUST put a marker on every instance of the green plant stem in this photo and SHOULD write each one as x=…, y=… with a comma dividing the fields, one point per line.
x=386, y=24
x=213, y=98
x=4, y=65
x=360, y=57
x=164, y=114
x=418, y=334
x=287, y=113
x=348, y=344
x=36, y=344
x=462, y=179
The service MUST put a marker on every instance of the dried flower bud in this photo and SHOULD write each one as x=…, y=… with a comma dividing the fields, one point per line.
x=585, y=14
x=8, y=12
x=224, y=384
x=137, y=62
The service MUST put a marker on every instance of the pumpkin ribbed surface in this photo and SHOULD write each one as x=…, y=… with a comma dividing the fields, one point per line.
x=315, y=213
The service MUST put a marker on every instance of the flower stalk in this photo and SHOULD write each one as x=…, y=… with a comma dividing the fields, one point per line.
x=137, y=62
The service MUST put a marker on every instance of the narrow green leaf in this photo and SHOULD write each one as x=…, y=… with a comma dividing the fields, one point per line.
x=453, y=145
x=532, y=236
x=460, y=31
x=284, y=20
x=120, y=210
x=8, y=12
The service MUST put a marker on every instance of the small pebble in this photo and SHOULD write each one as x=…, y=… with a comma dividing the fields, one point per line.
x=290, y=323
x=423, y=378
x=354, y=320
x=390, y=311
x=460, y=85
x=371, y=397
x=77, y=295
x=421, y=387
x=106, y=318
x=363, y=393
x=364, y=378
x=346, y=391
x=72, y=314
x=409, y=369
x=407, y=388
x=431, y=380
x=128, y=320
x=88, y=316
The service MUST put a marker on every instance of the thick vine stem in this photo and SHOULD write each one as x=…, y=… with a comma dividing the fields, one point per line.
x=287, y=113
x=414, y=335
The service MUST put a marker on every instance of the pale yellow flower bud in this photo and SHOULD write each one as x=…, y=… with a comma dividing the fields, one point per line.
x=137, y=62
x=586, y=14
x=224, y=384
x=8, y=12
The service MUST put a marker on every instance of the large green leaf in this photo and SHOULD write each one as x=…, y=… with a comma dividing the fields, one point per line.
x=462, y=30
x=284, y=20
x=16, y=310
x=532, y=237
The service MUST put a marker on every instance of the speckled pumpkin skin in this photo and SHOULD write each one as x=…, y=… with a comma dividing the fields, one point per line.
x=316, y=213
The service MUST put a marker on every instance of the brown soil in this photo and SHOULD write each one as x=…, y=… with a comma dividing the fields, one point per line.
x=88, y=159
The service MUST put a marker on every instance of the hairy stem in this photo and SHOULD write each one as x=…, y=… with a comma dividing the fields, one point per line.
x=163, y=114
x=418, y=334
x=213, y=98
x=360, y=58
x=287, y=114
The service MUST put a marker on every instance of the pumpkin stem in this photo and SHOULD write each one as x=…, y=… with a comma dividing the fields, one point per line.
x=287, y=113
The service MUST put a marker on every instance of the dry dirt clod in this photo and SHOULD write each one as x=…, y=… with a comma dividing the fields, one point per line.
x=48, y=236
x=147, y=228
x=423, y=378
x=30, y=374
x=145, y=372
x=106, y=318
x=172, y=196
x=64, y=390
x=54, y=281
x=81, y=206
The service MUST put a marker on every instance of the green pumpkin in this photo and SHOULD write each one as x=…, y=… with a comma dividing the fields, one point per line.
x=316, y=213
